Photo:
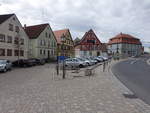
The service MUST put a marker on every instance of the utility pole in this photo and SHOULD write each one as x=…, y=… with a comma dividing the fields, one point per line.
x=63, y=40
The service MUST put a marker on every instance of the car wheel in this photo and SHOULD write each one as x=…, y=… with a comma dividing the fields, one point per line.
x=80, y=66
x=4, y=70
x=10, y=69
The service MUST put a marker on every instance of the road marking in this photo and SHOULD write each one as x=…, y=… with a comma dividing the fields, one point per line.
x=148, y=61
x=132, y=62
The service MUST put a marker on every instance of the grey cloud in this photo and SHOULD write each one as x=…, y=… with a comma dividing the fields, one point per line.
x=106, y=17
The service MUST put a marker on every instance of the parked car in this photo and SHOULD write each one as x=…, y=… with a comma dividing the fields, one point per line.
x=105, y=58
x=36, y=61
x=5, y=65
x=86, y=61
x=32, y=62
x=79, y=63
x=92, y=60
x=75, y=62
x=22, y=63
x=69, y=62
x=98, y=59
x=40, y=61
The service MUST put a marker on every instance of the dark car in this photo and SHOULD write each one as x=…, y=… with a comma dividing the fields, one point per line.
x=32, y=62
x=38, y=61
x=22, y=63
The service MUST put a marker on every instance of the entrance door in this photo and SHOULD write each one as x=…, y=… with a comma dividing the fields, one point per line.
x=48, y=52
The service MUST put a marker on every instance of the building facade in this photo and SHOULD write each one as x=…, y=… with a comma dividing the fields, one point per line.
x=13, y=39
x=125, y=45
x=65, y=44
x=42, y=42
x=89, y=45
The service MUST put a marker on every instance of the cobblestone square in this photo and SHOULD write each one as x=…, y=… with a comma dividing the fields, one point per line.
x=40, y=90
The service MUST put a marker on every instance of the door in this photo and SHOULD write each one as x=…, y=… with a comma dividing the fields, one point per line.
x=48, y=52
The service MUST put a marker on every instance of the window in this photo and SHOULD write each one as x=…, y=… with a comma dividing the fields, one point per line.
x=16, y=52
x=2, y=38
x=91, y=41
x=44, y=52
x=49, y=35
x=2, y=52
x=9, y=39
x=44, y=42
x=21, y=53
x=22, y=41
x=10, y=27
x=41, y=42
x=9, y=52
x=14, y=19
x=16, y=41
x=17, y=29
x=41, y=51
x=46, y=34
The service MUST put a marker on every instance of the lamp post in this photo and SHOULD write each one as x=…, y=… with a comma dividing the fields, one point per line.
x=63, y=40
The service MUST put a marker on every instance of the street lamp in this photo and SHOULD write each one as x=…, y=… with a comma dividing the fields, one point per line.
x=63, y=41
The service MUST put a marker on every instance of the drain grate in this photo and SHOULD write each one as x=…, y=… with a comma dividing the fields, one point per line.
x=130, y=96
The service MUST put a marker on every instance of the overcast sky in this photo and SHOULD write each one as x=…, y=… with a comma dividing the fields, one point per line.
x=106, y=17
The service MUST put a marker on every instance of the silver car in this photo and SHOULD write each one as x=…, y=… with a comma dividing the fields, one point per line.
x=5, y=65
x=74, y=62
x=79, y=63
x=86, y=61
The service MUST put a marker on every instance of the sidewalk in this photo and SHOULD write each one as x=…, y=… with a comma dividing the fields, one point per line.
x=102, y=93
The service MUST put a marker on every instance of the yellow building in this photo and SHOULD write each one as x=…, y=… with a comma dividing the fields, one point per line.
x=65, y=44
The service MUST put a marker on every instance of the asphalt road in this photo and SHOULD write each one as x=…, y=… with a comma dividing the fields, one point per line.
x=135, y=74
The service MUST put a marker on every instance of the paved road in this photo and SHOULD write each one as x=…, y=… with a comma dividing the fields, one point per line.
x=135, y=74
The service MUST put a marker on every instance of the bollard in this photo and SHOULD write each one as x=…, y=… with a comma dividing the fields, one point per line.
x=104, y=66
x=57, y=69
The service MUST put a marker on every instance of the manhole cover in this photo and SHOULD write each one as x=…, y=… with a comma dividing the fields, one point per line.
x=130, y=96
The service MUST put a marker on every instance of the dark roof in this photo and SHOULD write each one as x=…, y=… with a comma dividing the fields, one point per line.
x=34, y=31
x=3, y=18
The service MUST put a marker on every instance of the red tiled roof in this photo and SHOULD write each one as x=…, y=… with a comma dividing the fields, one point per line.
x=59, y=33
x=3, y=18
x=34, y=31
x=124, y=38
x=86, y=36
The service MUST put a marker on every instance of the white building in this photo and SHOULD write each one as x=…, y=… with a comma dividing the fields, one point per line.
x=125, y=45
x=42, y=42
x=13, y=39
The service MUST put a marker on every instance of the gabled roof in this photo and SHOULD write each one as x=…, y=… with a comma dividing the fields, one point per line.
x=86, y=35
x=34, y=31
x=59, y=33
x=3, y=18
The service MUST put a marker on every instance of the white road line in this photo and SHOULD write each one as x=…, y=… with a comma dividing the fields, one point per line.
x=132, y=62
